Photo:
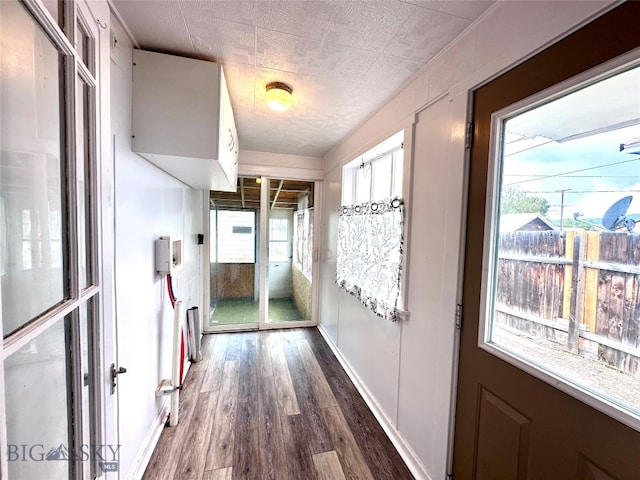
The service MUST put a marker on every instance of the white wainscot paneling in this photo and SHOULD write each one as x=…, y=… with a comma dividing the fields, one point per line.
x=329, y=312
x=371, y=346
x=426, y=358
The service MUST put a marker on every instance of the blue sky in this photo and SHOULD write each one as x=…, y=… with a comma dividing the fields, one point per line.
x=540, y=160
x=593, y=190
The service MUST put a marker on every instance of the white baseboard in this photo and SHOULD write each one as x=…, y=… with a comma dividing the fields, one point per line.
x=406, y=452
x=149, y=445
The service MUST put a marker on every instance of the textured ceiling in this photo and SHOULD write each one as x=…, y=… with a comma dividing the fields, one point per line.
x=343, y=59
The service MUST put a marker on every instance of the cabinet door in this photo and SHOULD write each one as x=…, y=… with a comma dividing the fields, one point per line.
x=228, y=145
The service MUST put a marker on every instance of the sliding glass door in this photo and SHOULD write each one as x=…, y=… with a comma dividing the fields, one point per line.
x=290, y=248
x=234, y=257
x=261, y=255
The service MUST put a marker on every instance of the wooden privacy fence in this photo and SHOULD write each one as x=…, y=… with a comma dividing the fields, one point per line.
x=581, y=289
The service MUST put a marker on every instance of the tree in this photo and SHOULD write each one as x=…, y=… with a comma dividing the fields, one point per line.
x=515, y=200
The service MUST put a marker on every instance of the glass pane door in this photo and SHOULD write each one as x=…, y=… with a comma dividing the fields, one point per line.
x=270, y=219
x=290, y=250
x=49, y=260
x=234, y=257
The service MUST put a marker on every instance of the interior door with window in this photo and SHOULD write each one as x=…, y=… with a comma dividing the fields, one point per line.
x=51, y=283
x=549, y=375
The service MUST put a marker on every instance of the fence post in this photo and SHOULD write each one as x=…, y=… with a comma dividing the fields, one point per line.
x=576, y=294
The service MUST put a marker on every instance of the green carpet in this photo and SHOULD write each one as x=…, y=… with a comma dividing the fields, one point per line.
x=237, y=311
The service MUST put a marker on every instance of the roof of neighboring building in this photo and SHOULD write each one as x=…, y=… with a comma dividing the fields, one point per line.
x=512, y=222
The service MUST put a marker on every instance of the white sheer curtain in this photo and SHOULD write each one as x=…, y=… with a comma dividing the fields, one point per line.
x=369, y=254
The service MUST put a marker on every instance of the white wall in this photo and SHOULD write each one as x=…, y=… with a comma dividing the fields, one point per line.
x=148, y=204
x=279, y=165
x=407, y=368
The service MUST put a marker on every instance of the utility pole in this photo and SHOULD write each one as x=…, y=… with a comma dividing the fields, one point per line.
x=562, y=206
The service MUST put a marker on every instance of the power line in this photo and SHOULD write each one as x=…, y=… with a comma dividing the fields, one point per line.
x=573, y=171
x=574, y=176
x=581, y=191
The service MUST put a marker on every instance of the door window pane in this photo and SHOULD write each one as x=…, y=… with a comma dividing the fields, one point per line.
x=33, y=277
x=83, y=45
x=236, y=236
x=566, y=268
x=55, y=8
x=36, y=378
x=84, y=181
x=89, y=397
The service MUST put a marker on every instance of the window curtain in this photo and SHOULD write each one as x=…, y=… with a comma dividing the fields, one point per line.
x=369, y=254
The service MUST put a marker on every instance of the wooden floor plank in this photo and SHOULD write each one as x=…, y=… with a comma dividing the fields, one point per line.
x=193, y=456
x=321, y=389
x=215, y=365
x=317, y=436
x=246, y=449
x=351, y=459
x=221, y=441
x=272, y=457
x=220, y=474
x=263, y=357
x=288, y=340
x=296, y=451
x=286, y=395
x=206, y=347
x=328, y=466
x=234, y=348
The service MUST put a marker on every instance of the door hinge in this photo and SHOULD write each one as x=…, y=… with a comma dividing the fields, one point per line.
x=459, y=316
x=449, y=476
x=468, y=136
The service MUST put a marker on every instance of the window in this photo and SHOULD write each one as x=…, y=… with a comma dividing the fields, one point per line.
x=233, y=236
x=278, y=240
x=376, y=175
x=561, y=289
x=303, y=241
x=371, y=228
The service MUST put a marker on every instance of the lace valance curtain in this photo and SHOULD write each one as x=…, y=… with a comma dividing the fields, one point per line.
x=369, y=254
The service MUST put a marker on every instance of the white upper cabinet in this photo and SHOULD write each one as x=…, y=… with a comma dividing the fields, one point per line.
x=183, y=121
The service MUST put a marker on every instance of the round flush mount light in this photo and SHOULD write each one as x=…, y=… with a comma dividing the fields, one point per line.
x=279, y=96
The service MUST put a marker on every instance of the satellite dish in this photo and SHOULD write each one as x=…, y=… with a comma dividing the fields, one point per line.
x=615, y=217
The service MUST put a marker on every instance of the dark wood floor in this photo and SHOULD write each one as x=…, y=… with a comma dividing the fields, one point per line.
x=273, y=405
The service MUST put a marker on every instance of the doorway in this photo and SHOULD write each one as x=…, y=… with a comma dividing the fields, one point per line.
x=261, y=241
x=540, y=288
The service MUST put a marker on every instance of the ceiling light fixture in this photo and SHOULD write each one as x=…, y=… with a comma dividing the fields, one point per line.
x=279, y=96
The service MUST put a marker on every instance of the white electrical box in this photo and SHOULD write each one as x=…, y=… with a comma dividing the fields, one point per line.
x=183, y=121
x=168, y=255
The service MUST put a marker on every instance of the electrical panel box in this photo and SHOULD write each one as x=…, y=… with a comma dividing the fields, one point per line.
x=168, y=255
